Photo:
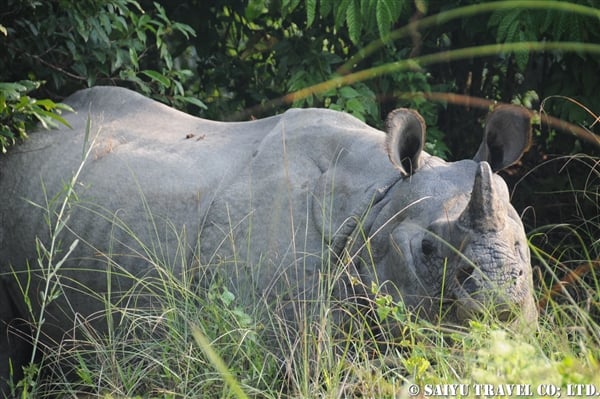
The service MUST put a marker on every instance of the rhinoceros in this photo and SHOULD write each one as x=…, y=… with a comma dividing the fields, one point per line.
x=272, y=206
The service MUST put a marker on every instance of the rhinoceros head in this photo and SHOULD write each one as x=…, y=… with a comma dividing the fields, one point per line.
x=446, y=236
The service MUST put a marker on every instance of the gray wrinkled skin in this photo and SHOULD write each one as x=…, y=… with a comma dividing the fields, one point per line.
x=265, y=202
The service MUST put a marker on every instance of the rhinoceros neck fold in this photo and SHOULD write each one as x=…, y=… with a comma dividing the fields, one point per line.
x=485, y=211
x=361, y=217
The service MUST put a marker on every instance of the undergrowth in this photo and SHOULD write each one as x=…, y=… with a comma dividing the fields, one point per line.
x=203, y=342
x=200, y=340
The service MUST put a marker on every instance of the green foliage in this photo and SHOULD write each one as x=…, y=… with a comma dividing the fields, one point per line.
x=550, y=73
x=73, y=44
x=291, y=45
x=19, y=112
x=245, y=63
x=360, y=17
x=502, y=360
x=520, y=25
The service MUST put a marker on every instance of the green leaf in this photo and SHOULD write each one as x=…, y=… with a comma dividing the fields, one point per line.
x=133, y=57
x=353, y=21
x=326, y=7
x=64, y=107
x=340, y=12
x=179, y=90
x=384, y=16
x=495, y=18
x=254, y=9
x=186, y=30
x=141, y=35
x=508, y=25
x=512, y=31
x=166, y=56
x=157, y=77
x=144, y=22
x=367, y=13
x=162, y=14
x=356, y=108
x=56, y=117
x=118, y=61
x=100, y=33
x=348, y=92
x=522, y=57
x=47, y=104
x=298, y=80
x=12, y=90
x=119, y=23
x=192, y=100
x=105, y=22
x=227, y=297
x=288, y=6
x=311, y=9
x=80, y=68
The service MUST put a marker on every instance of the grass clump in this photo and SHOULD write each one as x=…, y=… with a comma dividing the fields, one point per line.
x=202, y=341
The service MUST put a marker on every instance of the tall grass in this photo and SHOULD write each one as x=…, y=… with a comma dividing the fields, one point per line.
x=199, y=340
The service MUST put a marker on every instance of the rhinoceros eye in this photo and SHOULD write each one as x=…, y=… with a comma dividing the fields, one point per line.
x=427, y=247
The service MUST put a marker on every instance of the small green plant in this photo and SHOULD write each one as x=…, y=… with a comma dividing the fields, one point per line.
x=19, y=113
x=502, y=359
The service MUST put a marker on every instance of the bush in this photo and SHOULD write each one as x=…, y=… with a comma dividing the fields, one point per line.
x=20, y=113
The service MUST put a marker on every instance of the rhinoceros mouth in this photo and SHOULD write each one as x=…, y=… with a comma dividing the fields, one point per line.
x=467, y=307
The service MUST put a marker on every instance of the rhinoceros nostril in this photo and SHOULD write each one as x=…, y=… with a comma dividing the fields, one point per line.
x=517, y=278
x=504, y=313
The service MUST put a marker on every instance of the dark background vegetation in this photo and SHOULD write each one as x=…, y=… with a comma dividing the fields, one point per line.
x=228, y=60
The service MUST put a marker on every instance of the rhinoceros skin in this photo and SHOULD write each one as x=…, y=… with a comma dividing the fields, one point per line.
x=275, y=204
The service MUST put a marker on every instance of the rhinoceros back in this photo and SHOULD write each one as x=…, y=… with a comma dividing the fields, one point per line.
x=160, y=187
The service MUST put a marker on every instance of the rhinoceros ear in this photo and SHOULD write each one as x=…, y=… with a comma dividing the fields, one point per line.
x=507, y=135
x=405, y=138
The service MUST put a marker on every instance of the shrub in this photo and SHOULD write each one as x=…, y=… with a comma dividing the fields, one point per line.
x=20, y=113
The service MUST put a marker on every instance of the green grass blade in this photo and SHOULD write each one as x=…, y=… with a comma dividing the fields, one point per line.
x=217, y=362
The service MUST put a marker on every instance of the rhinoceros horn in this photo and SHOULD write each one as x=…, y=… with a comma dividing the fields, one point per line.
x=485, y=211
